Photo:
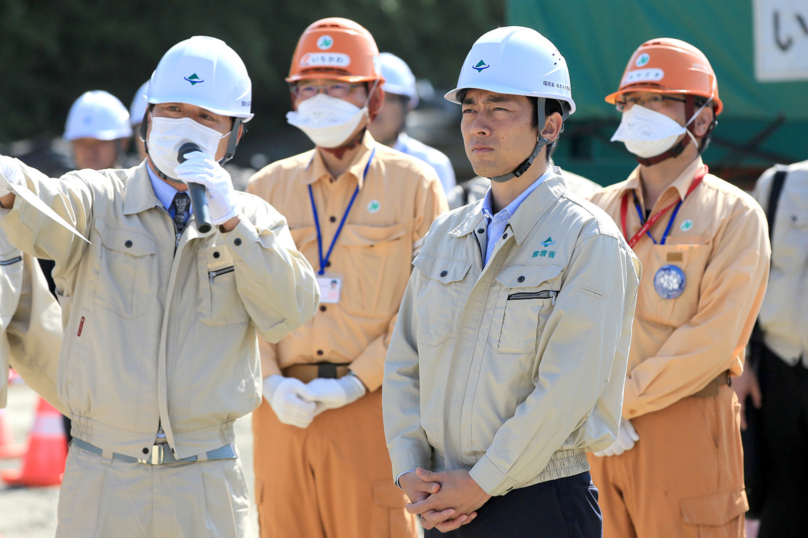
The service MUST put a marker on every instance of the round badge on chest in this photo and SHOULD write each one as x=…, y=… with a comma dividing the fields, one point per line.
x=669, y=282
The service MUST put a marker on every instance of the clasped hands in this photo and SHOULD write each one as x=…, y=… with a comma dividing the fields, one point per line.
x=297, y=403
x=445, y=501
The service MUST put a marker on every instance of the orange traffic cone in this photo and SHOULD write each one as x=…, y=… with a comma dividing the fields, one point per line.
x=47, y=451
x=8, y=448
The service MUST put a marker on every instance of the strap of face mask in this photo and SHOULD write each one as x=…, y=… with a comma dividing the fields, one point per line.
x=540, y=143
x=679, y=147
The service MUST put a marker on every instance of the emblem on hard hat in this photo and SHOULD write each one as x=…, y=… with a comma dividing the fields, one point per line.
x=325, y=42
x=669, y=282
x=642, y=59
x=480, y=66
x=194, y=79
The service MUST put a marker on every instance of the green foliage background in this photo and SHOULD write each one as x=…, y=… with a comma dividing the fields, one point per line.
x=54, y=50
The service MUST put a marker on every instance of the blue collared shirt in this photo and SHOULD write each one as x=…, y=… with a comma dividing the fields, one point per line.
x=165, y=192
x=497, y=223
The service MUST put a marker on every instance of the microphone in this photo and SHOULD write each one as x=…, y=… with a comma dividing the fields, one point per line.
x=198, y=196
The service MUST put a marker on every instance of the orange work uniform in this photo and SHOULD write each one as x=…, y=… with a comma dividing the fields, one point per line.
x=333, y=479
x=684, y=477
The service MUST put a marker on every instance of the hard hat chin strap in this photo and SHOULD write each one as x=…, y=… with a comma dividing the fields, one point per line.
x=679, y=147
x=540, y=143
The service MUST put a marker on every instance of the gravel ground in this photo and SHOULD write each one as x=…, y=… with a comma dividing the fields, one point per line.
x=31, y=512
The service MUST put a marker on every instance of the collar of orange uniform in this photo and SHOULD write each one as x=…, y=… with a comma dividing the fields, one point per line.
x=318, y=171
x=680, y=184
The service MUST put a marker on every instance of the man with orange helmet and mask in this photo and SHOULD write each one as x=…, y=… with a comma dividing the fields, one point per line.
x=676, y=468
x=358, y=211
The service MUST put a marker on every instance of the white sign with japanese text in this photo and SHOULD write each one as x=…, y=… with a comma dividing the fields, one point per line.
x=781, y=40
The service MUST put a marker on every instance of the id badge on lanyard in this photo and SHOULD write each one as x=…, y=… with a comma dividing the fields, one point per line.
x=331, y=283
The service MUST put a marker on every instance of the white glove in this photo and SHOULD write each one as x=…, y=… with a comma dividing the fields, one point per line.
x=199, y=168
x=286, y=397
x=10, y=173
x=335, y=393
x=626, y=437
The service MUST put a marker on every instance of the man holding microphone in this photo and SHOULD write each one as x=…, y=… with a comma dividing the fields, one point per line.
x=160, y=354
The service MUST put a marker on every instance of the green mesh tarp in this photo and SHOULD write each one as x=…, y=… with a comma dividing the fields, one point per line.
x=597, y=37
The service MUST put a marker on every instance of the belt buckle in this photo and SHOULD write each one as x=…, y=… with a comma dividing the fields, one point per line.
x=157, y=455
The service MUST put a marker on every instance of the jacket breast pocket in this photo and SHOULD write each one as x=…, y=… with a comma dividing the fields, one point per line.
x=529, y=296
x=11, y=268
x=440, y=298
x=127, y=275
x=674, y=312
x=219, y=301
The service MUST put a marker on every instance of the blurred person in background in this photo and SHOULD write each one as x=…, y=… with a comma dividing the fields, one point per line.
x=358, y=211
x=508, y=359
x=99, y=131
x=160, y=355
x=401, y=96
x=30, y=324
x=776, y=376
x=676, y=468
x=137, y=111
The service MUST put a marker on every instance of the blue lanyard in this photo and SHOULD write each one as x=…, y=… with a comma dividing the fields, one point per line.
x=670, y=222
x=324, y=260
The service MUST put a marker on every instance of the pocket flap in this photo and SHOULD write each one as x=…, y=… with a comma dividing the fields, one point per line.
x=359, y=235
x=216, y=257
x=442, y=270
x=127, y=241
x=528, y=276
x=389, y=495
x=715, y=510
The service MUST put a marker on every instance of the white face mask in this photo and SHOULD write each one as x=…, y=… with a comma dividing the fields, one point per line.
x=326, y=120
x=167, y=135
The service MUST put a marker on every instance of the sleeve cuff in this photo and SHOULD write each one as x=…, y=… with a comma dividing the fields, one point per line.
x=404, y=462
x=490, y=478
x=241, y=237
x=368, y=373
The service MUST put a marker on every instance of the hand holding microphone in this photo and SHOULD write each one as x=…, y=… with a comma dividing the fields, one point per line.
x=201, y=173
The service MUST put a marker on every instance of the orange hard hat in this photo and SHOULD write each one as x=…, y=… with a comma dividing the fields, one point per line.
x=338, y=49
x=668, y=65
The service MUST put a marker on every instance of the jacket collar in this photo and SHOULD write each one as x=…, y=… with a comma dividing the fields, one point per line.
x=317, y=169
x=522, y=222
x=139, y=194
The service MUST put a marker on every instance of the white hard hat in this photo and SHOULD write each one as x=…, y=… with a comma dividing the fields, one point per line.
x=98, y=115
x=138, y=108
x=516, y=61
x=398, y=77
x=205, y=72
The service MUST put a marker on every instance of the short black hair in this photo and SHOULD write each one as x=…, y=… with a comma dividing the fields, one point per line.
x=551, y=106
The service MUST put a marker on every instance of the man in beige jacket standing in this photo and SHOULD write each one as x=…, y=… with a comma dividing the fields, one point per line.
x=160, y=354
x=507, y=361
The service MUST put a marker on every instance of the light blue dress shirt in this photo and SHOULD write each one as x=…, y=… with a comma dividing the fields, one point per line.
x=437, y=159
x=497, y=223
x=165, y=192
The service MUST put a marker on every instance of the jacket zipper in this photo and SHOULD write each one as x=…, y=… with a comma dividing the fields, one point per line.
x=12, y=261
x=544, y=294
x=214, y=274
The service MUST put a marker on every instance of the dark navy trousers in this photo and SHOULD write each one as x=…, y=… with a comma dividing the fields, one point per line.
x=563, y=508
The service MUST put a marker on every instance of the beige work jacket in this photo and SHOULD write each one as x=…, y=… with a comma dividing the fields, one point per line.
x=30, y=324
x=719, y=240
x=514, y=370
x=784, y=313
x=153, y=335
